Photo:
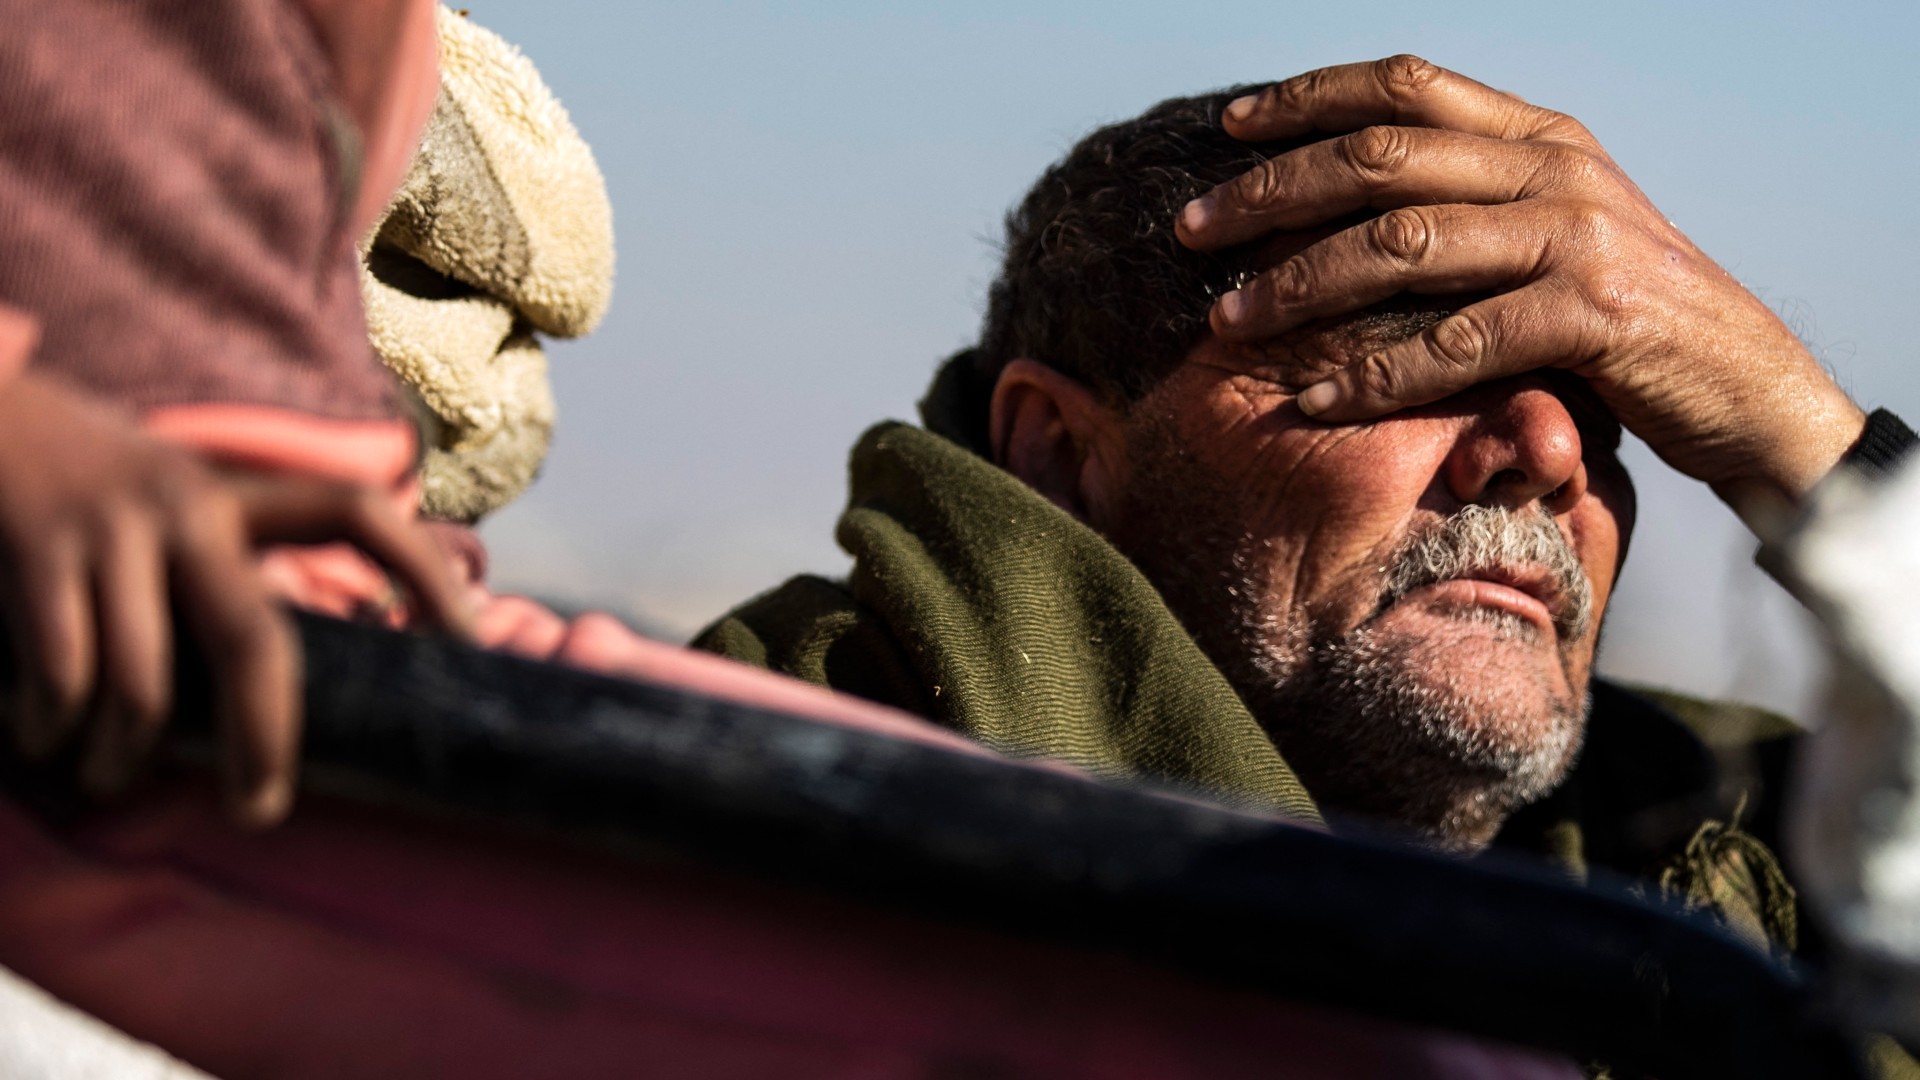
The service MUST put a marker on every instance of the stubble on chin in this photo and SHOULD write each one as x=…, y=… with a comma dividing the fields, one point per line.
x=1384, y=727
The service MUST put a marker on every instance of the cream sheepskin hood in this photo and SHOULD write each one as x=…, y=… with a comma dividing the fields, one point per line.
x=501, y=228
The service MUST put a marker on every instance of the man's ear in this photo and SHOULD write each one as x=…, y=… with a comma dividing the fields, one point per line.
x=1052, y=431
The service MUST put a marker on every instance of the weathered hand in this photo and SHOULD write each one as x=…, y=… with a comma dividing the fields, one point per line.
x=108, y=537
x=1483, y=192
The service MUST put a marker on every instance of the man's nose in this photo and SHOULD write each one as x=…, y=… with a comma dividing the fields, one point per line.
x=1517, y=444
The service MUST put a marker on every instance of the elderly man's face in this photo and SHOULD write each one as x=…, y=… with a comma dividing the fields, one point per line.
x=1411, y=606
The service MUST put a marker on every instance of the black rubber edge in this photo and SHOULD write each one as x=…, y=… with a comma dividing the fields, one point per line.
x=1500, y=951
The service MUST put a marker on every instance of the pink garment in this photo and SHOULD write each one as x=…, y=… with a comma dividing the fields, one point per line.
x=602, y=644
x=19, y=333
x=180, y=183
x=176, y=180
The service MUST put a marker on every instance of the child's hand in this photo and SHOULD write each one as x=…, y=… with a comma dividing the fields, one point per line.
x=109, y=539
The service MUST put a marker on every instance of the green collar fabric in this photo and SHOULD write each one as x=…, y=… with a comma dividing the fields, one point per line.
x=1035, y=636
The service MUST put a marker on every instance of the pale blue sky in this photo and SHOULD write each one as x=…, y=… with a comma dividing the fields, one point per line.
x=808, y=197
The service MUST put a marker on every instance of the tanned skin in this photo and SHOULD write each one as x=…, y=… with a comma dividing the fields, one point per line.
x=1483, y=192
x=110, y=538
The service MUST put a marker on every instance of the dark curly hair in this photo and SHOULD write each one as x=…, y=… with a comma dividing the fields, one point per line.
x=1094, y=283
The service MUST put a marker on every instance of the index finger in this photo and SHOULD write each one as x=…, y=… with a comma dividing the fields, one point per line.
x=291, y=510
x=1403, y=91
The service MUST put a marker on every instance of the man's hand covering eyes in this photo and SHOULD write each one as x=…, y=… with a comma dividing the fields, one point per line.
x=1481, y=192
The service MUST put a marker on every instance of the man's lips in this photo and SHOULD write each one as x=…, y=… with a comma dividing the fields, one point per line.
x=1529, y=594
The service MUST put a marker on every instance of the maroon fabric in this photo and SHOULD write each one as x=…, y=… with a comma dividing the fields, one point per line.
x=173, y=197
x=371, y=943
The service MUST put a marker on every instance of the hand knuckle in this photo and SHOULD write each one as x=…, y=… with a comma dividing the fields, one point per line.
x=199, y=508
x=1292, y=95
x=1291, y=281
x=219, y=509
x=1378, y=378
x=1561, y=126
x=1406, y=234
x=1615, y=295
x=1460, y=341
x=1405, y=76
x=1375, y=152
x=1258, y=186
x=1576, y=167
x=1592, y=223
x=176, y=482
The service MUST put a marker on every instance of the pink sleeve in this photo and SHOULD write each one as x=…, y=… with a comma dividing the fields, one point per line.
x=19, y=333
x=605, y=646
x=602, y=644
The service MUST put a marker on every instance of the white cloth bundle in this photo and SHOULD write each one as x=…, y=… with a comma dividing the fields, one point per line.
x=1856, y=812
x=42, y=1038
x=501, y=229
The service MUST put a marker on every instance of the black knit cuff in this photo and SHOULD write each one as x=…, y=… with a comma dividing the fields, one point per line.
x=1884, y=444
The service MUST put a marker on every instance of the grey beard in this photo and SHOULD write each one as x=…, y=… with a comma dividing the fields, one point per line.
x=1377, y=724
x=1381, y=732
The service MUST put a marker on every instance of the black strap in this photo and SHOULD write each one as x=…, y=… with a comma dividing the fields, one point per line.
x=1885, y=443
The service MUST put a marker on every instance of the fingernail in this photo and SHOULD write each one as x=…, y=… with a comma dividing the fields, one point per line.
x=1197, y=214
x=1318, y=398
x=1239, y=109
x=1232, y=306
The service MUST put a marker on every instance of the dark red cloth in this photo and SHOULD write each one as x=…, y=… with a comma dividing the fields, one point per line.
x=375, y=943
x=174, y=190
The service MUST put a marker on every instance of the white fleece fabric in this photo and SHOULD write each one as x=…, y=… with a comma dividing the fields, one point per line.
x=502, y=229
x=42, y=1038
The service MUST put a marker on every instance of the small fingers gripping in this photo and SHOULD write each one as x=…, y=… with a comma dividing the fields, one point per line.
x=248, y=646
x=50, y=615
x=136, y=652
x=111, y=542
x=301, y=510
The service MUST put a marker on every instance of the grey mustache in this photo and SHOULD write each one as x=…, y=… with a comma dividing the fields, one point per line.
x=1486, y=539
